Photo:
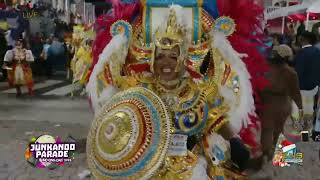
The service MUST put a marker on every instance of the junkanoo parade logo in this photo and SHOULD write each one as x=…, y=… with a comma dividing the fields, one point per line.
x=49, y=152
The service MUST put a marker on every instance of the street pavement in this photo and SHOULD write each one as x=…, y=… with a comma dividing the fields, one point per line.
x=59, y=115
x=15, y=136
x=44, y=88
x=24, y=118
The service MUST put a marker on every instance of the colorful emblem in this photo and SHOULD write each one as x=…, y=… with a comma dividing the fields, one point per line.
x=225, y=24
x=49, y=152
x=130, y=137
x=121, y=27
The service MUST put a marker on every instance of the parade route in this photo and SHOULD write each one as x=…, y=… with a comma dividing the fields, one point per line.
x=22, y=119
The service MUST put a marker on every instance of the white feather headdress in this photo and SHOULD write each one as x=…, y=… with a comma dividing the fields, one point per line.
x=239, y=113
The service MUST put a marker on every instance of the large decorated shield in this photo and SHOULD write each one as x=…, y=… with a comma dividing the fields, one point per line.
x=130, y=137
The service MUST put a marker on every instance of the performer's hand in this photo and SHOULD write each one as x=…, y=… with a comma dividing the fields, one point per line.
x=240, y=154
x=4, y=66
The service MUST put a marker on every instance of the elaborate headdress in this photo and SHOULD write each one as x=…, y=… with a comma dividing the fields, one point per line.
x=172, y=36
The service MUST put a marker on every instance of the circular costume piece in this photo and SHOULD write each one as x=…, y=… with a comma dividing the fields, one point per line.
x=226, y=25
x=121, y=27
x=130, y=137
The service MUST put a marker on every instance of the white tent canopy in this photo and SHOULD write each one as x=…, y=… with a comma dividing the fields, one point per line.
x=286, y=11
x=314, y=8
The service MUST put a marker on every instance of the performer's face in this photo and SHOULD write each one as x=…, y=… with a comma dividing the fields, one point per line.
x=18, y=44
x=165, y=63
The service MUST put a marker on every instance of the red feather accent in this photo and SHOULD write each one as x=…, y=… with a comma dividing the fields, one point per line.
x=246, y=40
x=103, y=24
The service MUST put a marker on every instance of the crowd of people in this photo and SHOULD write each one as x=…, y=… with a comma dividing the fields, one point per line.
x=50, y=53
x=47, y=55
x=294, y=77
x=68, y=53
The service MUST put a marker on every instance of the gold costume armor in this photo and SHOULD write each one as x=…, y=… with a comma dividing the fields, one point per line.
x=195, y=109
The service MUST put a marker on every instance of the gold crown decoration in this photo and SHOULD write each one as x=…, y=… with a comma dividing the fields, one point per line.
x=172, y=36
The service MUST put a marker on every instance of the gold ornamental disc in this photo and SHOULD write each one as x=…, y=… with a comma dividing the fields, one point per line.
x=130, y=137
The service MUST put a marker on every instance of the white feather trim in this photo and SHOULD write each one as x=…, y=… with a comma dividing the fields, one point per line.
x=239, y=113
x=199, y=172
x=113, y=47
x=105, y=96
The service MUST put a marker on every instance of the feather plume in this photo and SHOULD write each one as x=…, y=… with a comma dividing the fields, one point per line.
x=239, y=114
x=120, y=11
x=248, y=39
x=112, y=47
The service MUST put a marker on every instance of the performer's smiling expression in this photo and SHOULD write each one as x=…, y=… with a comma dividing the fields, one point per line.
x=165, y=63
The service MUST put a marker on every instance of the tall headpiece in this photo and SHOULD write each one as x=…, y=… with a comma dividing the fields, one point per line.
x=172, y=36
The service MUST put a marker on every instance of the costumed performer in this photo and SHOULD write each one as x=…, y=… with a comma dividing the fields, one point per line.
x=189, y=77
x=82, y=60
x=17, y=62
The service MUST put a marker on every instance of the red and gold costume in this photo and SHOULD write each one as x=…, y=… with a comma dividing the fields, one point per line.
x=143, y=130
x=20, y=73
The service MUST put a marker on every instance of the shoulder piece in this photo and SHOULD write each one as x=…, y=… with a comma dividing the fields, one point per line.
x=8, y=56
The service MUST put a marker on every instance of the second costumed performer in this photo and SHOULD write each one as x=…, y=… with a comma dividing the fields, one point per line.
x=171, y=96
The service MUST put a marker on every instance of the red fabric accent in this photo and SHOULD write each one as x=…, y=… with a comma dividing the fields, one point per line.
x=103, y=23
x=246, y=40
x=194, y=74
x=28, y=72
x=138, y=68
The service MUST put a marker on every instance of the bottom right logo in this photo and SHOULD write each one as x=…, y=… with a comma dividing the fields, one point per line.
x=286, y=153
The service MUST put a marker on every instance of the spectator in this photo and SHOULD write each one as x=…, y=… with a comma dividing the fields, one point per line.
x=36, y=49
x=3, y=50
x=307, y=65
x=290, y=35
x=301, y=29
x=277, y=99
x=287, y=52
x=276, y=39
x=56, y=57
x=317, y=45
x=44, y=54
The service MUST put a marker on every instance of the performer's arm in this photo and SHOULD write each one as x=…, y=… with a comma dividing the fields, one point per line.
x=226, y=131
x=295, y=90
x=7, y=58
x=239, y=153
